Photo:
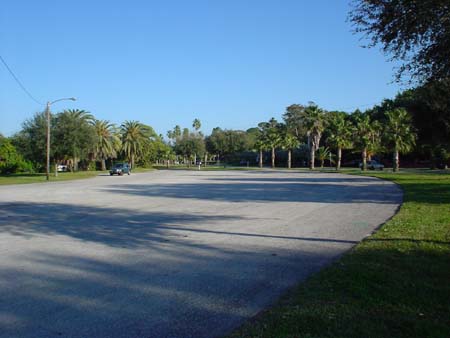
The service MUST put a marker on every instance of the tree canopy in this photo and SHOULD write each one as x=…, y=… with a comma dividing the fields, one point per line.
x=416, y=32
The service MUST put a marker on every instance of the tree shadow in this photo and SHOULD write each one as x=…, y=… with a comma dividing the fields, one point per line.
x=119, y=227
x=108, y=226
x=77, y=271
x=269, y=190
x=321, y=180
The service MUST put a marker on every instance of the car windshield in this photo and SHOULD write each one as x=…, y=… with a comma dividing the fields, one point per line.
x=118, y=166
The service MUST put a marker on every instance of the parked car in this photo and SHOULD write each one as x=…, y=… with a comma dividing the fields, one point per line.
x=62, y=167
x=372, y=165
x=120, y=169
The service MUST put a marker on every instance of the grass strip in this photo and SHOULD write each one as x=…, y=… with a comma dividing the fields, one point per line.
x=396, y=283
x=41, y=178
x=62, y=176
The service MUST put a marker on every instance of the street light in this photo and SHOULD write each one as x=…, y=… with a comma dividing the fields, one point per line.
x=47, y=111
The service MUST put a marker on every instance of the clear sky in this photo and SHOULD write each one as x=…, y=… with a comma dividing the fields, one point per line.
x=230, y=63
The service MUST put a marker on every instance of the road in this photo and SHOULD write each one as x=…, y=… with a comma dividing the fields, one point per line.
x=172, y=253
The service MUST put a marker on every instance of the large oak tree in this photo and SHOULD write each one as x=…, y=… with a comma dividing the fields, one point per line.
x=416, y=32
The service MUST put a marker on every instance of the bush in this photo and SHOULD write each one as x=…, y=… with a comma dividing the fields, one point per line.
x=10, y=161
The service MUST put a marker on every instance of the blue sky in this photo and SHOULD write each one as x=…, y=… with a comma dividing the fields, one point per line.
x=230, y=63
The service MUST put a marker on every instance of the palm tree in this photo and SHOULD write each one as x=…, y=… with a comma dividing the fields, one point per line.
x=314, y=121
x=340, y=135
x=107, y=141
x=290, y=142
x=196, y=124
x=322, y=154
x=79, y=114
x=134, y=137
x=261, y=146
x=399, y=133
x=271, y=136
x=366, y=136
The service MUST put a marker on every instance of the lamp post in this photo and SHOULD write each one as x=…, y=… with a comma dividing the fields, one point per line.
x=47, y=112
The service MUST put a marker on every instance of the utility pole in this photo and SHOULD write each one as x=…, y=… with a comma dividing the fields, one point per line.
x=48, y=115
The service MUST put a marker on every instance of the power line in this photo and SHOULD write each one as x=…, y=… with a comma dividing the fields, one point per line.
x=18, y=82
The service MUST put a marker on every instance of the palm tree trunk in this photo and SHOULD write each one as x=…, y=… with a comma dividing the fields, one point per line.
x=396, y=162
x=364, y=159
x=273, y=157
x=289, y=158
x=132, y=161
x=339, y=156
x=260, y=158
x=206, y=159
x=321, y=163
x=312, y=158
x=103, y=164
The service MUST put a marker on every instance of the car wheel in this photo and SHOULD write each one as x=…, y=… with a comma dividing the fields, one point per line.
x=110, y=174
x=129, y=173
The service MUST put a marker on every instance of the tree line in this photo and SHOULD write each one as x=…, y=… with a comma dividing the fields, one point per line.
x=79, y=139
x=416, y=121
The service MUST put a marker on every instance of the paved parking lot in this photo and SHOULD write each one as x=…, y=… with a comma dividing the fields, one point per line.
x=172, y=253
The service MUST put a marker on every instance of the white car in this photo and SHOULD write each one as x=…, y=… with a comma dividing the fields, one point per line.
x=62, y=167
x=372, y=165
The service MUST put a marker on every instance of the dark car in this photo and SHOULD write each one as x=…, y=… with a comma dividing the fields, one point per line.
x=373, y=165
x=120, y=169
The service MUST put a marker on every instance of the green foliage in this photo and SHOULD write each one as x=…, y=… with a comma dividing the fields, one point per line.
x=414, y=31
x=108, y=141
x=227, y=142
x=289, y=141
x=339, y=130
x=271, y=133
x=10, y=161
x=271, y=136
x=294, y=120
x=196, y=124
x=398, y=133
x=314, y=121
x=323, y=153
x=155, y=150
x=429, y=106
x=366, y=135
x=190, y=144
x=73, y=136
x=30, y=142
x=135, y=138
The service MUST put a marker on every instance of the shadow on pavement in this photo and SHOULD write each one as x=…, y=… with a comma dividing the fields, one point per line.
x=133, y=274
x=271, y=190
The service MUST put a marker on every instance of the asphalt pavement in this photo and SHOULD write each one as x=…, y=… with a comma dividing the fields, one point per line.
x=172, y=253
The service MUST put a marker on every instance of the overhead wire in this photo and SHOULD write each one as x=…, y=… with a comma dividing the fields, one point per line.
x=18, y=81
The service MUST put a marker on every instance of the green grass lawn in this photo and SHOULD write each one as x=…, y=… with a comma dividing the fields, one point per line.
x=395, y=283
x=62, y=176
x=40, y=178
